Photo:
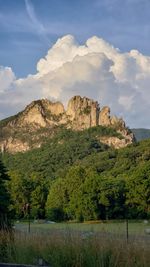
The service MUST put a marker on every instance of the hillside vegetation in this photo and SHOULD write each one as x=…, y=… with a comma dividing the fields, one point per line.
x=75, y=177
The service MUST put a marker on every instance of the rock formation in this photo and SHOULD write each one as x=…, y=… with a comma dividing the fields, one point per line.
x=82, y=112
x=41, y=113
x=39, y=120
x=104, y=116
x=14, y=145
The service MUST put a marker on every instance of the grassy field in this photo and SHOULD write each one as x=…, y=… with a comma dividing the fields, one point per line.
x=137, y=228
x=77, y=244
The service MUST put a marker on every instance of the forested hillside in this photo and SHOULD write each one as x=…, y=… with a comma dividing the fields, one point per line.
x=111, y=184
x=74, y=176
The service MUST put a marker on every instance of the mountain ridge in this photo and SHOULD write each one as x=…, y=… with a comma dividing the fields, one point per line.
x=141, y=133
x=42, y=118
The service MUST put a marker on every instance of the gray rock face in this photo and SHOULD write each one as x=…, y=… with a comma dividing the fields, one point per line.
x=81, y=113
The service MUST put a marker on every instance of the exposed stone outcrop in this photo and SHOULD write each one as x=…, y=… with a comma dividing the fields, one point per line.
x=114, y=141
x=127, y=134
x=14, y=145
x=33, y=114
x=104, y=116
x=81, y=113
x=39, y=114
x=55, y=108
x=42, y=113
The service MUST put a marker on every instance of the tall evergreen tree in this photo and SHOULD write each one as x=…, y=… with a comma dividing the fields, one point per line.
x=4, y=199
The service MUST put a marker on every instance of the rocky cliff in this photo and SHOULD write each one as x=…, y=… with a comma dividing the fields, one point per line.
x=83, y=112
x=39, y=121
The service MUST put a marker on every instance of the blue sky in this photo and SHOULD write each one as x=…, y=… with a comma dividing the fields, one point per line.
x=29, y=28
x=47, y=51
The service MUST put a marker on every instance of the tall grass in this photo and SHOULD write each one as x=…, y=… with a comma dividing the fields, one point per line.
x=66, y=248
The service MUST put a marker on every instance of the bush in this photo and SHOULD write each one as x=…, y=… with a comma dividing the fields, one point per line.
x=55, y=214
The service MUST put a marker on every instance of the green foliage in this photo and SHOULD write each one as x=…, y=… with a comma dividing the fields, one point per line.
x=4, y=199
x=32, y=189
x=83, y=194
x=74, y=176
x=115, y=184
x=32, y=172
x=138, y=190
x=55, y=214
x=58, y=153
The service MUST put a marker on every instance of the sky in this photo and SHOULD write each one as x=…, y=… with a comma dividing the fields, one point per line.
x=59, y=48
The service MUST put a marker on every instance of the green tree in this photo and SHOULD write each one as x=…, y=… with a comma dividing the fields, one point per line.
x=56, y=201
x=83, y=204
x=38, y=195
x=138, y=191
x=61, y=192
x=4, y=199
x=28, y=188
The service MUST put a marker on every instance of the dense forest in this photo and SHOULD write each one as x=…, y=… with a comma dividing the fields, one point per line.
x=75, y=177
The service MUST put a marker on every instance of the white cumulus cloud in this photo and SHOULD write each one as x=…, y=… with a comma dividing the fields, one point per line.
x=7, y=78
x=95, y=69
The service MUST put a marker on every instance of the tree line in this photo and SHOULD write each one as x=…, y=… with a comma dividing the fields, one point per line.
x=75, y=177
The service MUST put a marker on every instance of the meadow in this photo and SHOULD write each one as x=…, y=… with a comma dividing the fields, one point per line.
x=117, y=227
x=78, y=244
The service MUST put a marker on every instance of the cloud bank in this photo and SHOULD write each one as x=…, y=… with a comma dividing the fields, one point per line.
x=95, y=69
